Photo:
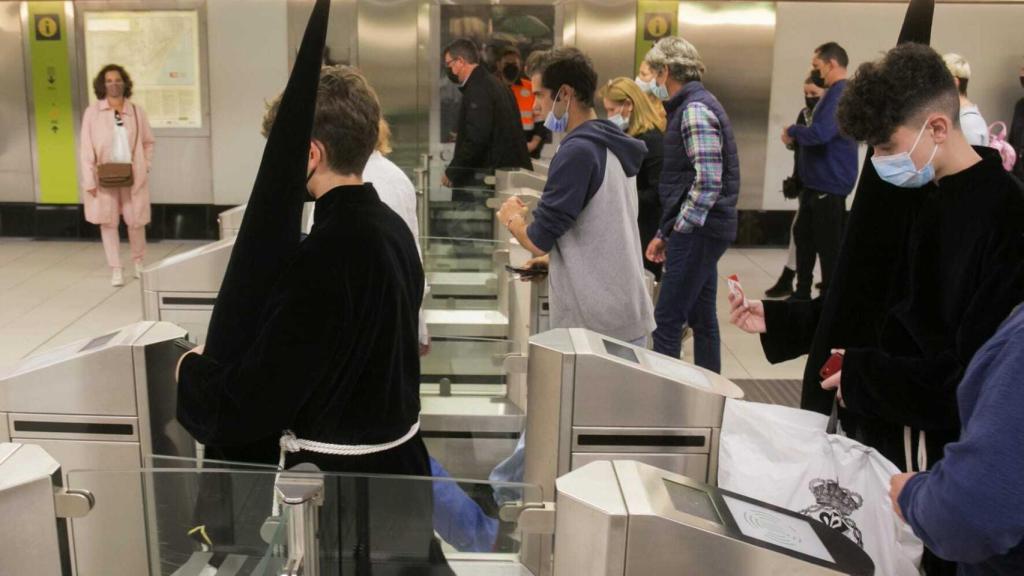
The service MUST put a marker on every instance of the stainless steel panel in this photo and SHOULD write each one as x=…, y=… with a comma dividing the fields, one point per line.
x=100, y=383
x=467, y=323
x=111, y=540
x=736, y=41
x=591, y=524
x=127, y=428
x=196, y=322
x=704, y=435
x=391, y=53
x=609, y=393
x=472, y=458
x=16, y=179
x=470, y=414
x=690, y=465
x=29, y=541
x=200, y=270
x=606, y=31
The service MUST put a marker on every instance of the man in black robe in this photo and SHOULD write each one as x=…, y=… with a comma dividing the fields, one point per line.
x=959, y=270
x=335, y=356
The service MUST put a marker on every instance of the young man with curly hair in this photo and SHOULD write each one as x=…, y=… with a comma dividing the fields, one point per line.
x=961, y=266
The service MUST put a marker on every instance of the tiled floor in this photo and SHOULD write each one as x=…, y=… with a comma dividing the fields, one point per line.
x=52, y=293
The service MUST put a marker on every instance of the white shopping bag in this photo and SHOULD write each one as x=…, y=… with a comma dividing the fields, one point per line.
x=783, y=456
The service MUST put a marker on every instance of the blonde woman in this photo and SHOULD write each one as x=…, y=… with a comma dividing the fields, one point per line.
x=115, y=136
x=630, y=109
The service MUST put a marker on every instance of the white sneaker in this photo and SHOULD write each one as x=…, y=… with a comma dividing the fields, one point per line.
x=137, y=269
x=117, y=277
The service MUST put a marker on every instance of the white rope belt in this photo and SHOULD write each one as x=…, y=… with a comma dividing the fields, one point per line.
x=291, y=443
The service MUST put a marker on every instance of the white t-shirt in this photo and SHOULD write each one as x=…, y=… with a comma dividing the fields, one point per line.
x=396, y=190
x=973, y=126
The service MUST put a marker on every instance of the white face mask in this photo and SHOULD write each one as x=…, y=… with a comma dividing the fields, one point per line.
x=618, y=120
x=899, y=169
x=646, y=86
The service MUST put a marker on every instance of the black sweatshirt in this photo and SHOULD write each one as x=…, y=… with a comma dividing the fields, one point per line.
x=960, y=274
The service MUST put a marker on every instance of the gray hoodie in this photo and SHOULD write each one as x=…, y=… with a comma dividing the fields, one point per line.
x=587, y=220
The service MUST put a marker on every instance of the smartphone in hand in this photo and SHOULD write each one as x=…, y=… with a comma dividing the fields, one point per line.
x=525, y=272
x=832, y=366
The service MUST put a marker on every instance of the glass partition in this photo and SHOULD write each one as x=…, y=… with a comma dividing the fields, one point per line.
x=207, y=520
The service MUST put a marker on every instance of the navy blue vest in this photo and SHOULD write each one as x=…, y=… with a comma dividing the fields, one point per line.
x=678, y=173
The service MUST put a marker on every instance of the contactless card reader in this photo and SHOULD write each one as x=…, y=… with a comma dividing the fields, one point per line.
x=628, y=518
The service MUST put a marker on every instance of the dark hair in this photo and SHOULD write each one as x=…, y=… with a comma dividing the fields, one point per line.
x=99, y=84
x=909, y=80
x=832, y=51
x=569, y=66
x=963, y=85
x=814, y=77
x=463, y=48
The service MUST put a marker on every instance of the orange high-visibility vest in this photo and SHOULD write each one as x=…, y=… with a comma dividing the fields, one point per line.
x=523, y=91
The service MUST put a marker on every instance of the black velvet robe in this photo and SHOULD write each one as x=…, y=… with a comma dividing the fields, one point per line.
x=336, y=359
x=958, y=275
x=336, y=356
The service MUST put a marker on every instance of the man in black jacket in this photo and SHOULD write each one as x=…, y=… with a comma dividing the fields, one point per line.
x=489, y=134
x=959, y=268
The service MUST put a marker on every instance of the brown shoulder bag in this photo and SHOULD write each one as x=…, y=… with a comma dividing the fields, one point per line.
x=119, y=174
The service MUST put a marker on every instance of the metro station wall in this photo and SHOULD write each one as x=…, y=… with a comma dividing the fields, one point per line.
x=756, y=68
x=16, y=179
x=988, y=35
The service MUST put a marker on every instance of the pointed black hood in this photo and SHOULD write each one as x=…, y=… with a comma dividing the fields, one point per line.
x=269, y=234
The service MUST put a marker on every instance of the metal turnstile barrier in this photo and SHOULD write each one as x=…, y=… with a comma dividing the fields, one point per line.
x=103, y=403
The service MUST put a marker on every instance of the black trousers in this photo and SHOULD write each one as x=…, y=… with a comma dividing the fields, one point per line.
x=818, y=233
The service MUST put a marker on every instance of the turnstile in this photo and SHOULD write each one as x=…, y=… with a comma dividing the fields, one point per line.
x=592, y=397
x=183, y=288
x=32, y=536
x=103, y=403
x=230, y=220
x=626, y=518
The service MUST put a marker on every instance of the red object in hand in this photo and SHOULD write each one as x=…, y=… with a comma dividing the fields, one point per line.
x=834, y=365
x=734, y=286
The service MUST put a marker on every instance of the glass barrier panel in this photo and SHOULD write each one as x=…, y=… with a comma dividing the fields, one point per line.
x=203, y=521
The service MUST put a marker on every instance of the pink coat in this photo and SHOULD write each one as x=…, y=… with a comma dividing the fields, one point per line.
x=97, y=144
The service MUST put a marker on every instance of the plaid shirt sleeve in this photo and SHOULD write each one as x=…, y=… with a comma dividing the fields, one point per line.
x=702, y=141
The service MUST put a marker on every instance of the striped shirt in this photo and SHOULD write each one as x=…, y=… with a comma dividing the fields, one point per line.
x=702, y=140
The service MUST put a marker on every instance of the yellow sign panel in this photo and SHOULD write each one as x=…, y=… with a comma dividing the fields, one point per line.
x=47, y=27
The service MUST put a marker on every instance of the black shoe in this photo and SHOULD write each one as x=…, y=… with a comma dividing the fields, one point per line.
x=799, y=296
x=782, y=288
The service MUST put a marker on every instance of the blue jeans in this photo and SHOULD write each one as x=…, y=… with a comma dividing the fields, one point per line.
x=689, y=288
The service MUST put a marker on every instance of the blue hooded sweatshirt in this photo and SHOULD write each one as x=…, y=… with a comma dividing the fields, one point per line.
x=969, y=508
x=587, y=220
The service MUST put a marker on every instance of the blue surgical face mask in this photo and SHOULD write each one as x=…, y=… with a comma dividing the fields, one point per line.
x=899, y=169
x=618, y=120
x=646, y=86
x=660, y=91
x=557, y=124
